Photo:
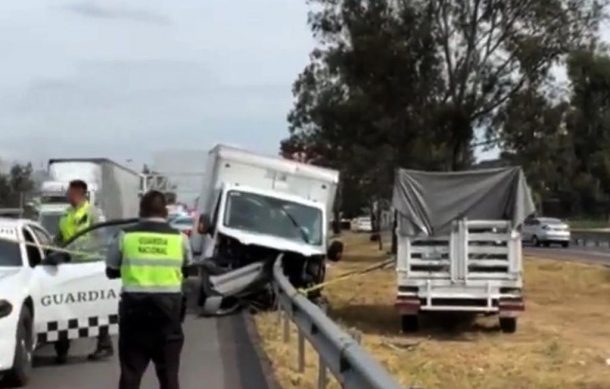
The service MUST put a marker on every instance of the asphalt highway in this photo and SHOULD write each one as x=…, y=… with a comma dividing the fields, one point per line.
x=219, y=353
x=594, y=255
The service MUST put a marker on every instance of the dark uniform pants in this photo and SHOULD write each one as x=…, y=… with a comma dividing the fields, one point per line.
x=150, y=329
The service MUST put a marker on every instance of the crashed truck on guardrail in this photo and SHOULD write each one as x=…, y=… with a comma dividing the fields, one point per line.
x=252, y=208
x=458, y=243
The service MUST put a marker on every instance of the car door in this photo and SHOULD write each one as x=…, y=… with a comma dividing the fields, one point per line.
x=75, y=298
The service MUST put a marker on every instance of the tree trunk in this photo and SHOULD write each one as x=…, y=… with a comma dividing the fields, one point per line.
x=461, y=135
x=337, y=223
x=394, y=236
x=379, y=238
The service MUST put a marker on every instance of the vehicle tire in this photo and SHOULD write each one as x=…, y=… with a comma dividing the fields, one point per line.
x=565, y=245
x=535, y=241
x=508, y=325
x=409, y=323
x=546, y=244
x=19, y=375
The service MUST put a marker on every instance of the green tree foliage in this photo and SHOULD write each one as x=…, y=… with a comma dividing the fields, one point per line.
x=406, y=82
x=493, y=49
x=17, y=183
x=363, y=102
x=565, y=147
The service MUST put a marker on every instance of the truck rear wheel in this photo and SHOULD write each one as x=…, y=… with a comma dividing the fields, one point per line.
x=508, y=325
x=409, y=323
x=20, y=373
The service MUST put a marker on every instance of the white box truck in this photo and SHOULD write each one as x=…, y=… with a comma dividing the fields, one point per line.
x=458, y=243
x=254, y=207
x=114, y=189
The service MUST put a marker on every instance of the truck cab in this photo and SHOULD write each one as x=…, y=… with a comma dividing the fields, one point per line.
x=250, y=225
x=253, y=208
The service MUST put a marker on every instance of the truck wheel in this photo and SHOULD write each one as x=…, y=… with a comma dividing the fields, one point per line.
x=20, y=373
x=409, y=323
x=565, y=245
x=508, y=325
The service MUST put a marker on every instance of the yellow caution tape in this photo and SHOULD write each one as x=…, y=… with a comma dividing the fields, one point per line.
x=96, y=255
x=87, y=254
x=347, y=276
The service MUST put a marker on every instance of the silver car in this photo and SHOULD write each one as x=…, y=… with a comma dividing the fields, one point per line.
x=544, y=231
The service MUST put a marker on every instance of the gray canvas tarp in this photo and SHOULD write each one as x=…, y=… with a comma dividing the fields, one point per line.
x=428, y=202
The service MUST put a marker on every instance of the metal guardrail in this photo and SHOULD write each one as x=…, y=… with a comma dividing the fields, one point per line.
x=591, y=237
x=338, y=351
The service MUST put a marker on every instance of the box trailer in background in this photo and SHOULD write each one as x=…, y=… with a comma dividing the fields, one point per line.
x=114, y=189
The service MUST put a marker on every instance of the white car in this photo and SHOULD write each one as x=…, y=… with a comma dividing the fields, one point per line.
x=545, y=231
x=362, y=224
x=183, y=224
x=43, y=299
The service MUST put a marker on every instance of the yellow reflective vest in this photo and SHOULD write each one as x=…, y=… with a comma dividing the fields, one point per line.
x=75, y=220
x=152, y=259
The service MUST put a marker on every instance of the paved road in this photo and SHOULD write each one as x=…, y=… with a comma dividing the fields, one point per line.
x=598, y=255
x=219, y=353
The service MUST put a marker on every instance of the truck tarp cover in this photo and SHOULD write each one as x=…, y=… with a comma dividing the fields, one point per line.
x=428, y=202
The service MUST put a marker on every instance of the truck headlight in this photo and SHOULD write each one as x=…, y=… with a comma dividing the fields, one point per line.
x=5, y=308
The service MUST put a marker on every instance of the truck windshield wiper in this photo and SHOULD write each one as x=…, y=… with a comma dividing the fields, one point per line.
x=296, y=224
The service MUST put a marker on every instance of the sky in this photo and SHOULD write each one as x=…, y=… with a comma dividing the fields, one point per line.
x=124, y=79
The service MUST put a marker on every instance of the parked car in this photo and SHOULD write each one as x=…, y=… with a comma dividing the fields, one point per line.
x=183, y=223
x=43, y=298
x=544, y=231
x=362, y=224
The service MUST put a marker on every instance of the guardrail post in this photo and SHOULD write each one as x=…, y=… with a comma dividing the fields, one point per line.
x=286, y=326
x=321, y=374
x=301, y=352
x=321, y=367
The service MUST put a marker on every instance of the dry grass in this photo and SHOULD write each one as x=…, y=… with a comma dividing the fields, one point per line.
x=563, y=340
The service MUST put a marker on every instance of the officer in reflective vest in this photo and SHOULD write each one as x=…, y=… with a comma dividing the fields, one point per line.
x=150, y=258
x=78, y=217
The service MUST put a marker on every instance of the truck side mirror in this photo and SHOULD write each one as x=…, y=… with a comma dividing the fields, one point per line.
x=335, y=251
x=204, y=224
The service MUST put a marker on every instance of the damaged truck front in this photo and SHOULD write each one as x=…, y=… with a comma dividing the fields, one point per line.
x=254, y=209
x=459, y=246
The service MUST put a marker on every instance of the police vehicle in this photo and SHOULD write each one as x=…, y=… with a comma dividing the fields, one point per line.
x=46, y=295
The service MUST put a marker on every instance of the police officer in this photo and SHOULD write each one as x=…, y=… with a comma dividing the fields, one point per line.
x=150, y=258
x=78, y=217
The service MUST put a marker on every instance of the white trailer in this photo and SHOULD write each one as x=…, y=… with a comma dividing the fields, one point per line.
x=234, y=166
x=114, y=189
x=449, y=263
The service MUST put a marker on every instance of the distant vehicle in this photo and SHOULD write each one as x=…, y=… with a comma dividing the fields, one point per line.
x=183, y=223
x=362, y=224
x=50, y=220
x=544, y=231
x=112, y=188
x=176, y=210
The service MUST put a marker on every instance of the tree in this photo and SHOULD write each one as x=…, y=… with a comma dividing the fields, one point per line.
x=15, y=185
x=494, y=49
x=362, y=104
x=565, y=146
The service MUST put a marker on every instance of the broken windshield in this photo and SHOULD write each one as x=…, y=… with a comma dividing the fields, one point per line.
x=273, y=216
